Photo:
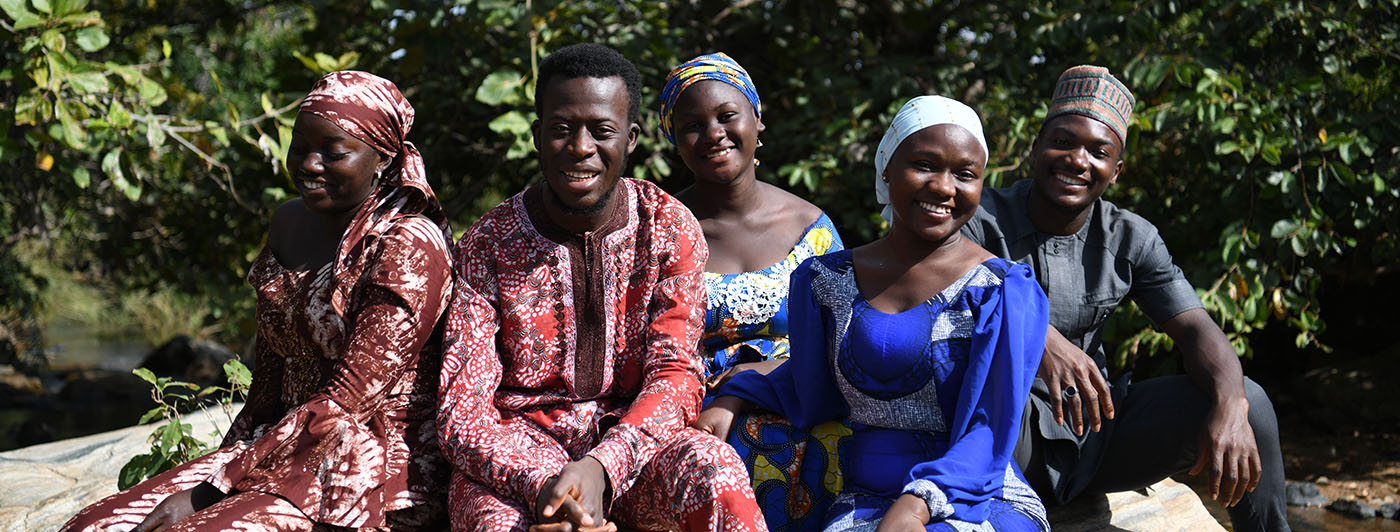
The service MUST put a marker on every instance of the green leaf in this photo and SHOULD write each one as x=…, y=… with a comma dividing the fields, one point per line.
x=15, y=9
x=347, y=60
x=512, y=122
x=326, y=62
x=68, y=7
x=165, y=48
x=91, y=39
x=1343, y=173
x=238, y=374
x=73, y=133
x=152, y=92
x=152, y=415
x=144, y=373
x=54, y=41
x=42, y=5
x=1225, y=125
x=81, y=177
x=1270, y=154
x=155, y=134
x=118, y=115
x=500, y=88
x=1284, y=227
x=26, y=21
x=134, y=471
x=266, y=103
x=170, y=435
x=1227, y=147
x=1299, y=247
x=89, y=82
x=307, y=61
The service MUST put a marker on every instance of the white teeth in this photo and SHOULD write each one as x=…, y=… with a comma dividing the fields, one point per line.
x=580, y=176
x=312, y=185
x=1071, y=181
x=936, y=209
x=721, y=153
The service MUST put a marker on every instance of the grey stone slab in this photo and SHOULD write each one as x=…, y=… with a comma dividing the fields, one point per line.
x=43, y=485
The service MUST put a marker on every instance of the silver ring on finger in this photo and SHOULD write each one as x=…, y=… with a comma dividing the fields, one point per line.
x=1070, y=391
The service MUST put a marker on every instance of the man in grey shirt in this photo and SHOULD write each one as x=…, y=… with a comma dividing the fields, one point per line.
x=1088, y=255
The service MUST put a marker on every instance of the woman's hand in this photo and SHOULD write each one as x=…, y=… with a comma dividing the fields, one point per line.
x=909, y=513
x=168, y=512
x=180, y=505
x=718, y=379
x=718, y=418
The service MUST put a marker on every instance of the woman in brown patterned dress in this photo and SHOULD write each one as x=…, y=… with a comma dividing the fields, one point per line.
x=339, y=425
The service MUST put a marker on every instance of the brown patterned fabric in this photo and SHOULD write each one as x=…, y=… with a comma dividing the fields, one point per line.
x=372, y=109
x=340, y=421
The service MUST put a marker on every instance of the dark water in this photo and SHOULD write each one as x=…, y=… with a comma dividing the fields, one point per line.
x=1302, y=519
x=1319, y=519
x=87, y=390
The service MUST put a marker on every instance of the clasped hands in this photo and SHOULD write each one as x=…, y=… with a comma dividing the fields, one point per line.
x=573, y=500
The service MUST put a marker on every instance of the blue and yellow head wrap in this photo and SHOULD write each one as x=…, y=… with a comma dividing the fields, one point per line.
x=716, y=66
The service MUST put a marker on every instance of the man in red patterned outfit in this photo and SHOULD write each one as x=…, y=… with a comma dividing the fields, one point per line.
x=571, y=375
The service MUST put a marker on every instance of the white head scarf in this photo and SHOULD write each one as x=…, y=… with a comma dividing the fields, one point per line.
x=919, y=113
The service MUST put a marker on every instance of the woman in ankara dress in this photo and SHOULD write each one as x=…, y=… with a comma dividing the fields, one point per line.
x=757, y=234
x=339, y=426
x=925, y=340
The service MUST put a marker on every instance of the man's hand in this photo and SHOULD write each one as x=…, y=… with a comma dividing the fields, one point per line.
x=909, y=513
x=1228, y=453
x=718, y=418
x=1226, y=449
x=1065, y=365
x=573, y=500
x=718, y=379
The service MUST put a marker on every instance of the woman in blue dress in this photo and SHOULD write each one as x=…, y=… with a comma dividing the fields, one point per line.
x=757, y=235
x=925, y=340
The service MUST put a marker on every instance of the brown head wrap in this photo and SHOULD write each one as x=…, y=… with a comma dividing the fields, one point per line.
x=372, y=109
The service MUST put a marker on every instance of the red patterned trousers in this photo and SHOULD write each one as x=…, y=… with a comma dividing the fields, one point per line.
x=239, y=511
x=694, y=483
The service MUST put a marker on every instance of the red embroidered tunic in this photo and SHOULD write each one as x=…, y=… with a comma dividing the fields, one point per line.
x=340, y=419
x=589, y=338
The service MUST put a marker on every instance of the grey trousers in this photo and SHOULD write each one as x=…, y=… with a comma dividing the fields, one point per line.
x=1153, y=436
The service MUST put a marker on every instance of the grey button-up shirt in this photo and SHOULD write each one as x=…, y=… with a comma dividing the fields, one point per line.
x=1086, y=275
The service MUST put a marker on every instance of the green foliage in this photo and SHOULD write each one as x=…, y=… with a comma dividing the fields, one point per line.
x=1262, y=144
x=174, y=443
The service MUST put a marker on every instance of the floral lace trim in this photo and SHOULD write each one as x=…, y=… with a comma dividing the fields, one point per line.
x=755, y=297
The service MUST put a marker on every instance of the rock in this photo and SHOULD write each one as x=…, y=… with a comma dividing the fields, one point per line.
x=46, y=484
x=1352, y=508
x=1165, y=506
x=1304, y=494
x=1390, y=509
x=187, y=359
x=98, y=387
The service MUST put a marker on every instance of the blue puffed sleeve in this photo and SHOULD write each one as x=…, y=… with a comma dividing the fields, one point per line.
x=802, y=390
x=1007, y=342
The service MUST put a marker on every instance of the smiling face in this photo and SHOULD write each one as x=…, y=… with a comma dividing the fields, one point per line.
x=935, y=178
x=1075, y=159
x=333, y=171
x=583, y=136
x=716, y=131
